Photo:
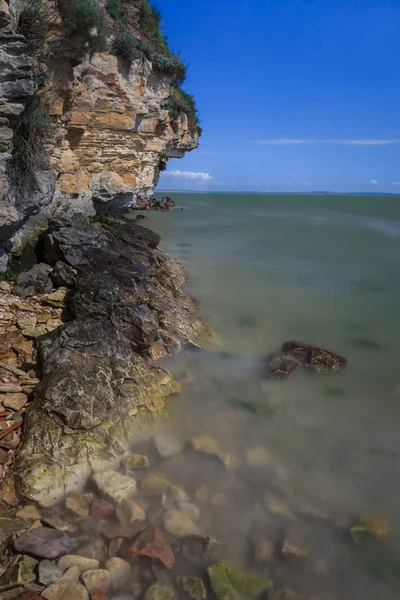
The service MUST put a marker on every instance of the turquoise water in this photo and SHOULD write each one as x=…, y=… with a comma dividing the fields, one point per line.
x=325, y=270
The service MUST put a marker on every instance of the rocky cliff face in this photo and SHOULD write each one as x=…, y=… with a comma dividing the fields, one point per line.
x=110, y=129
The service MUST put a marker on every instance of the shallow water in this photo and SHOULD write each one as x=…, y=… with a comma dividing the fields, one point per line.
x=267, y=269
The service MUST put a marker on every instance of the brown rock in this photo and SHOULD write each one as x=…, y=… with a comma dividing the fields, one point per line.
x=152, y=543
x=15, y=401
x=79, y=505
x=10, y=388
x=101, y=509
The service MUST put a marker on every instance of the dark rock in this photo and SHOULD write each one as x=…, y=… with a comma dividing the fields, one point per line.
x=151, y=543
x=43, y=542
x=201, y=548
x=316, y=358
x=63, y=275
x=280, y=367
x=34, y=282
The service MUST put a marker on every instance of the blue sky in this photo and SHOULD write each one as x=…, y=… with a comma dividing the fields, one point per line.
x=293, y=95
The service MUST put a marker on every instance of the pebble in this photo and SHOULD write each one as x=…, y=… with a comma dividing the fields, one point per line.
x=15, y=401
x=65, y=591
x=130, y=512
x=167, y=445
x=193, y=587
x=114, y=486
x=28, y=513
x=71, y=575
x=48, y=572
x=135, y=461
x=179, y=524
x=80, y=562
x=58, y=524
x=79, y=505
x=97, y=579
x=152, y=543
x=43, y=542
x=120, y=572
x=159, y=592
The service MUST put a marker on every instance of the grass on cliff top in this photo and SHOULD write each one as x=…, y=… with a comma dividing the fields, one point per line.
x=32, y=23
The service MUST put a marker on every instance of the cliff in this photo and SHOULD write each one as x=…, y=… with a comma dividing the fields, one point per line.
x=90, y=111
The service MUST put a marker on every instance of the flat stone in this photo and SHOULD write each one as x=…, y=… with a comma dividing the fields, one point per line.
x=135, y=461
x=114, y=486
x=15, y=401
x=48, y=572
x=10, y=388
x=65, y=591
x=58, y=524
x=97, y=579
x=19, y=574
x=152, y=543
x=177, y=523
x=120, y=572
x=43, y=542
x=159, y=592
x=79, y=505
x=80, y=562
x=167, y=445
x=71, y=575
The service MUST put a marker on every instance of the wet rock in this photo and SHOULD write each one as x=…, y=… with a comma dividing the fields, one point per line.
x=34, y=282
x=158, y=486
x=43, y=542
x=202, y=549
x=279, y=367
x=120, y=573
x=231, y=584
x=63, y=275
x=293, y=546
x=207, y=445
x=80, y=562
x=190, y=510
x=20, y=574
x=101, y=509
x=135, y=461
x=193, y=587
x=79, y=505
x=369, y=526
x=130, y=512
x=179, y=524
x=278, y=506
x=152, y=544
x=114, y=486
x=167, y=445
x=317, y=359
x=65, y=591
x=263, y=549
x=98, y=579
x=48, y=572
x=94, y=550
x=160, y=592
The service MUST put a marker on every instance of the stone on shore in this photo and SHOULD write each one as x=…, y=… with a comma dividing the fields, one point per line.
x=179, y=524
x=48, y=572
x=80, y=562
x=154, y=485
x=114, y=486
x=65, y=591
x=43, y=542
x=97, y=579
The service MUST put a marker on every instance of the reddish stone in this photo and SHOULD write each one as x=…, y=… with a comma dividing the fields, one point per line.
x=152, y=543
x=101, y=509
x=28, y=596
x=97, y=595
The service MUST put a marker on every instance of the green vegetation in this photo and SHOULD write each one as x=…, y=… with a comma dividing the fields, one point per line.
x=116, y=11
x=129, y=47
x=32, y=24
x=32, y=128
x=181, y=102
x=80, y=16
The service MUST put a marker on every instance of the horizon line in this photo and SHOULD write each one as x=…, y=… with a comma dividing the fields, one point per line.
x=349, y=142
x=281, y=193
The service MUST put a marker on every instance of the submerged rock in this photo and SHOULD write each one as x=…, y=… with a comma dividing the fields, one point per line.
x=135, y=461
x=179, y=524
x=295, y=353
x=368, y=527
x=97, y=579
x=208, y=445
x=193, y=587
x=115, y=486
x=120, y=572
x=152, y=544
x=158, y=486
x=80, y=562
x=167, y=445
x=202, y=549
x=159, y=592
x=43, y=542
x=20, y=574
x=229, y=583
x=65, y=591
x=48, y=572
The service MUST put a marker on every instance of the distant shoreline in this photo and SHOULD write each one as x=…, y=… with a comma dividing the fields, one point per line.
x=171, y=191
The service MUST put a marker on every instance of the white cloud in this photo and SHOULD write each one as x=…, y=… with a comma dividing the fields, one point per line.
x=395, y=182
x=198, y=176
x=373, y=182
x=290, y=141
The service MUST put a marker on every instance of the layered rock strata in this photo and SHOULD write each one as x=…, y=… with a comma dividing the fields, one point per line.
x=99, y=388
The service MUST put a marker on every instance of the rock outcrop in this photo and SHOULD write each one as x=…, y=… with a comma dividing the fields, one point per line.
x=110, y=129
x=99, y=389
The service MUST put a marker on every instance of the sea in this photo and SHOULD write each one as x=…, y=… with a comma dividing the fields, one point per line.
x=318, y=455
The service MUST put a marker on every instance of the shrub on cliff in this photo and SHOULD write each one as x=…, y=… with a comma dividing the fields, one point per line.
x=129, y=47
x=115, y=10
x=180, y=102
x=170, y=65
x=150, y=25
x=32, y=23
x=82, y=16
